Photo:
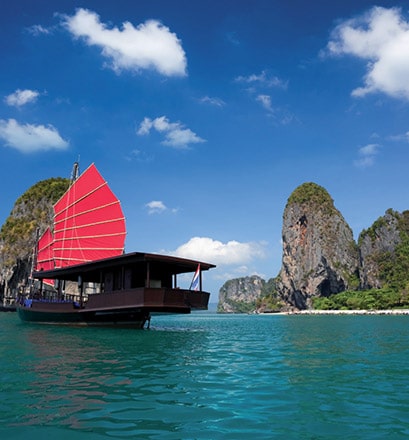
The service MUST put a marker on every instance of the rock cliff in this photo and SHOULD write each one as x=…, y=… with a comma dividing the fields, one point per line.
x=320, y=256
x=240, y=295
x=380, y=246
x=32, y=212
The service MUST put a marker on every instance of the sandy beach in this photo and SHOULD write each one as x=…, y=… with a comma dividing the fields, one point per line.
x=344, y=312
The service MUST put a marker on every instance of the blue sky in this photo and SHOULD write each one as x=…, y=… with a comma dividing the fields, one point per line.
x=204, y=116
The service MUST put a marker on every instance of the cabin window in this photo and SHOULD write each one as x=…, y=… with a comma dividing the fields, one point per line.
x=137, y=277
x=158, y=274
x=118, y=280
x=108, y=282
x=156, y=284
x=128, y=279
x=92, y=288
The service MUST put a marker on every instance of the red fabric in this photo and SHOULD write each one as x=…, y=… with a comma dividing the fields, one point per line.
x=45, y=257
x=89, y=223
x=45, y=251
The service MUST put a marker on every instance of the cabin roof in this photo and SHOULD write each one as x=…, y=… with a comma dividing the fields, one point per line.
x=165, y=263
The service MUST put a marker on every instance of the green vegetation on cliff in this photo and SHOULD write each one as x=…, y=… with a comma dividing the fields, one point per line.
x=237, y=306
x=371, y=231
x=248, y=294
x=240, y=294
x=393, y=269
x=270, y=300
x=32, y=211
x=374, y=299
x=393, y=266
x=311, y=193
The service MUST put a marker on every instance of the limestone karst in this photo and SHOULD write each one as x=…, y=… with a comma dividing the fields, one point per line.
x=320, y=256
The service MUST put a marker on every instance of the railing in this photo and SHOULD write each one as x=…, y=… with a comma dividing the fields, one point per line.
x=152, y=298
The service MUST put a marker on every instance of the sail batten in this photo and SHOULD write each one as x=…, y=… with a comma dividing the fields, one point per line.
x=89, y=223
x=64, y=208
x=90, y=249
x=80, y=237
x=120, y=219
x=78, y=214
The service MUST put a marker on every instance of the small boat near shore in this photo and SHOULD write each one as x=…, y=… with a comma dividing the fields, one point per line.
x=82, y=275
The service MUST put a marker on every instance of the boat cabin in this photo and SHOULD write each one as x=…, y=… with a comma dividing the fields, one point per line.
x=148, y=281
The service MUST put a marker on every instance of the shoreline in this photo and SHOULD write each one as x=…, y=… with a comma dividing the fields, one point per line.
x=343, y=312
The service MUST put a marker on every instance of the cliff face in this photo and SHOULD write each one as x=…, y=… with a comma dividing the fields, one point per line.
x=31, y=212
x=320, y=256
x=378, y=246
x=240, y=295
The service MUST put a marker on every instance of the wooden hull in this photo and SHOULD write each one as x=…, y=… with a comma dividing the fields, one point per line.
x=8, y=308
x=48, y=315
x=131, y=307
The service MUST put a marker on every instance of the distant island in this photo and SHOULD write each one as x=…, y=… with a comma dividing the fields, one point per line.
x=323, y=268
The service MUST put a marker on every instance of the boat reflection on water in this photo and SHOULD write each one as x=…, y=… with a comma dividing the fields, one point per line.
x=106, y=380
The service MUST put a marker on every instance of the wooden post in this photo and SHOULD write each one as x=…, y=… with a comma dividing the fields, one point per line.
x=80, y=284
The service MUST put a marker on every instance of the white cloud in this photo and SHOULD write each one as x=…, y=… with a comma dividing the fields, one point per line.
x=21, y=97
x=156, y=207
x=263, y=79
x=150, y=45
x=265, y=101
x=176, y=135
x=139, y=156
x=257, y=87
x=381, y=38
x=367, y=156
x=369, y=150
x=37, y=29
x=213, y=101
x=279, y=115
x=216, y=252
x=29, y=138
x=400, y=137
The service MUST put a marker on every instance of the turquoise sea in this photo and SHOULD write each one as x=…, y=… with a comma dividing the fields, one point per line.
x=207, y=376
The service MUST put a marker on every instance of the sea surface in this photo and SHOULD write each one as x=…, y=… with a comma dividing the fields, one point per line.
x=207, y=376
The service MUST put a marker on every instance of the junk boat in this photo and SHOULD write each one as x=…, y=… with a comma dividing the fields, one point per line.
x=82, y=275
x=123, y=290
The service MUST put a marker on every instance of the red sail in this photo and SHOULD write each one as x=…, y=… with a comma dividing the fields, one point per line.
x=45, y=259
x=88, y=222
